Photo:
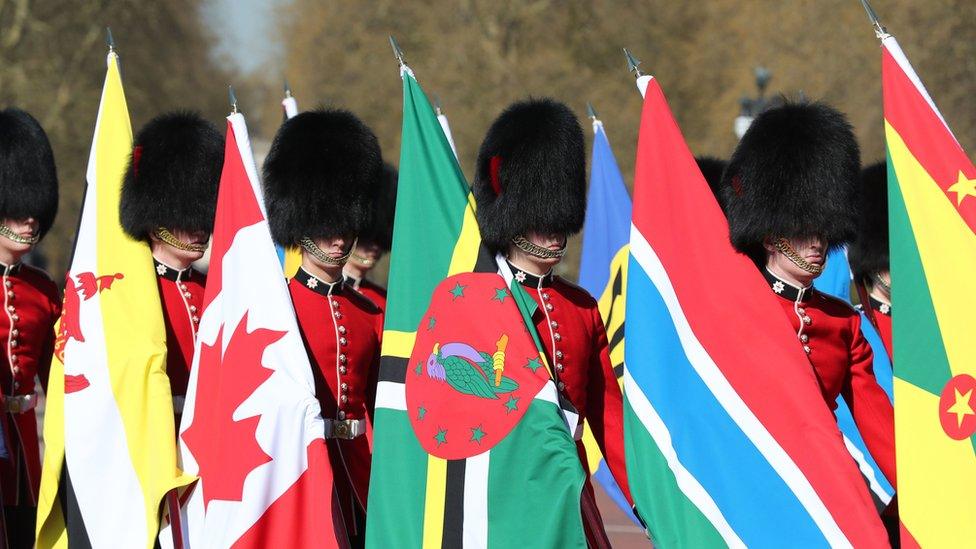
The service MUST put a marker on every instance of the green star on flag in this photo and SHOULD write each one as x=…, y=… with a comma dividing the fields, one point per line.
x=512, y=404
x=421, y=412
x=441, y=436
x=458, y=290
x=477, y=433
x=431, y=323
x=534, y=364
x=419, y=368
x=500, y=295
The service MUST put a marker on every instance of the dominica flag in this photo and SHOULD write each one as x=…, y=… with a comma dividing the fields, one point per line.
x=470, y=446
x=727, y=438
x=110, y=451
x=603, y=273
x=932, y=216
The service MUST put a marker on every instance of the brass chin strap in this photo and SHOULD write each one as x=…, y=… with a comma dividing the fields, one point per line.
x=364, y=261
x=163, y=234
x=885, y=286
x=9, y=234
x=784, y=248
x=309, y=246
x=537, y=251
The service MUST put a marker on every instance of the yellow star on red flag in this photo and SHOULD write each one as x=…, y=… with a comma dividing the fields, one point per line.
x=963, y=187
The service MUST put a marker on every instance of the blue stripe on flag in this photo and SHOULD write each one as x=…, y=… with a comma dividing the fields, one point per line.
x=701, y=428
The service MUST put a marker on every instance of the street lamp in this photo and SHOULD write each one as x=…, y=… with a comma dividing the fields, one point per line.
x=750, y=107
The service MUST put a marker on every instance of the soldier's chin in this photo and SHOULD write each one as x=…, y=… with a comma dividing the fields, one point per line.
x=16, y=247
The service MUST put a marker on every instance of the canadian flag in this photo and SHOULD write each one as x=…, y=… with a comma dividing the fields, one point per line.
x=252, y=429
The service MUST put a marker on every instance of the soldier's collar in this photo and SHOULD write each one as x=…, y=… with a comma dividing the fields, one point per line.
x=530, y=280
x=171, y=273
x=880, y=306
x=318, y=285
x=786, y=290
x=10, y=270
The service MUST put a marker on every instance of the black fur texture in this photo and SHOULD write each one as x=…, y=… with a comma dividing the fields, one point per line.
x=28, y=177
x=321, y=176
x=712, y=169
x=868, y=254
x=380, y=229
x=542, y=174
x=173, y=175
x=795, y=174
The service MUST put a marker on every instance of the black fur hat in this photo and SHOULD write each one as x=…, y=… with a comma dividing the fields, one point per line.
x=795, y=173
x=28, y=178
x=531, y=173
x=868, y=254
x=173, y=175
x=380, y=229
x=712, y=169
x=321, y=176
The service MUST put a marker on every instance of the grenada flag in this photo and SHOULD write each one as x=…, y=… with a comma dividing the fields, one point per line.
x=932, y=216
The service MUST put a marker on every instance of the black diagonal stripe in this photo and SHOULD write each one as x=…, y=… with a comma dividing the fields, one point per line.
x=485, y=262
x=617, y=337
x=453, y=536
x=393, y=368
x=73, y=522
x=615, y=294
x=618, y=370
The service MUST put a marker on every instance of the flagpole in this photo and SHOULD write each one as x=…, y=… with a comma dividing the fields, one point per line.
x=633, y=65
x=879, y=29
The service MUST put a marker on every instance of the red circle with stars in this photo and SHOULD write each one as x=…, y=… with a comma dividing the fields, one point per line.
x=957, y=407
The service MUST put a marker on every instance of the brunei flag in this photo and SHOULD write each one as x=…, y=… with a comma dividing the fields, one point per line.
x=932, y=216
x=470, y=448
x=110, y=446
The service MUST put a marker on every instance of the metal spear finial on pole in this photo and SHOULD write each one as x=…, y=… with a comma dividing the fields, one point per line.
x=109, y=39
x=287, y=89
x=591, y=112
x=233, y=99
x=633, y=64
x=879, y=29
x=397, y=52
x=437, y=105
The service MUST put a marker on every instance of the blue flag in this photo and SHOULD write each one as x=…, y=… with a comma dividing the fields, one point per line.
x=836, y=281
x=606, y=237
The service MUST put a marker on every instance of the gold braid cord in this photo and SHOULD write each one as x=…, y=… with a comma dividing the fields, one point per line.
x=9, y=234
x=364, y=261
x=538, y=251
x=784, y=248
x=309, y=246
x=163, y=234
x=886, y=286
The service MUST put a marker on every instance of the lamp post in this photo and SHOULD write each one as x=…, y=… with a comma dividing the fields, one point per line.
x=750, y=107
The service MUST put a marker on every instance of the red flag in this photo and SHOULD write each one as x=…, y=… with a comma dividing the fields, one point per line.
x=252, y=429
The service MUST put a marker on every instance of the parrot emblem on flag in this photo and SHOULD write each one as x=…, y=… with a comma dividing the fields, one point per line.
x=471, y=372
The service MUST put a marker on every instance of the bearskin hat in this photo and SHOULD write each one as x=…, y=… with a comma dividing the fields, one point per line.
x=173, y=175
x=795, y=173
x=28, y=178
x=380, y=229
x=868, y=254
x=531, y=173
x=712, y=169
x=321, y=176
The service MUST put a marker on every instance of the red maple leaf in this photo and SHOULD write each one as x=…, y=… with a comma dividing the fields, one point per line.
x=227, y=450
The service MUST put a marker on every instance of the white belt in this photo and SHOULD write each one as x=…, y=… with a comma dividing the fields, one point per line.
x=178, y=402
x=18, y=404
x=344, y=428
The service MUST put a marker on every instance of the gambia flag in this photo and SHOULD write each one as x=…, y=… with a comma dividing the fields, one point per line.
x=932, y=215
x=489, y=463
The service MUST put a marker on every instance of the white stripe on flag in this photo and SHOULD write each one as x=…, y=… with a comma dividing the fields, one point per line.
x=687, y=482
x=392, y=395
x=447, y=132
x=726, y=395
x=869, y=473
x=476, y=501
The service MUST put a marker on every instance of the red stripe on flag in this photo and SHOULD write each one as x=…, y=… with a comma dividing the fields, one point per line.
x=237, y=207
x=926, y=136
x=734, y=314
x=304, y=516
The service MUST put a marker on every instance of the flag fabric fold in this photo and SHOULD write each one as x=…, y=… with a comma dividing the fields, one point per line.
x=109, y=431
x=727, y=443
x=932, y=220
x=252, y=429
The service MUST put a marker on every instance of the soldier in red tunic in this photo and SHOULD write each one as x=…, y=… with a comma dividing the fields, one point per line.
x=31, y=303
x=791, y=190
x=375, y=241
x=319, y=180
x=169, y=196
x=530, y=188
x=868, y=254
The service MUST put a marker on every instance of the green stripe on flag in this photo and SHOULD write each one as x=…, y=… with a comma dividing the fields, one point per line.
x=920, y=356
x=393, y=494
x=679, y=522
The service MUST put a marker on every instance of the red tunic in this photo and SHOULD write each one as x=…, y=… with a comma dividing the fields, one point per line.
x=31, y=307
x=181, y=293
x=882, y=316
x=370, y=289
x=830, y=331
x=575, y=341
x=342, y=331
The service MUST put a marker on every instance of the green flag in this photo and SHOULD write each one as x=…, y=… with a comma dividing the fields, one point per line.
x=486, y=492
